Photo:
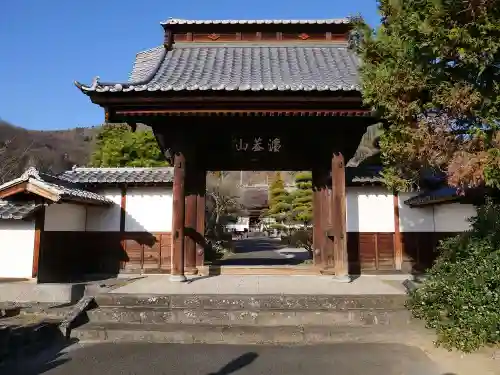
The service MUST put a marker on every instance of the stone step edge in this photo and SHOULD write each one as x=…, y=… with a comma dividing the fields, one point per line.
x=239, y=334
x=251, y=296
x=239, y=309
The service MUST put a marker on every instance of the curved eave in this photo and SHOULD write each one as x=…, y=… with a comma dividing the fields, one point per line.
x=127, y=88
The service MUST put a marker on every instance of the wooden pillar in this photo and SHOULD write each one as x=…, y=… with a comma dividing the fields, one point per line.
x=190, y=232
x=178, y=217
x=37, y=245
x=318, y=231
x=329, y=223
x=200, y=217
x=123, y=211
x=338, y=210
x=191, y=222
x=398, y=239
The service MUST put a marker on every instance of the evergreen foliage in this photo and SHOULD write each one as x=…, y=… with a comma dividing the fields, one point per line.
x=302, y=198
x=279, y=200
x=461, y=297
x=118, y=146
x=432, y=70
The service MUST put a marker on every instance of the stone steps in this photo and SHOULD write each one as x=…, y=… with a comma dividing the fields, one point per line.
x=256, y=302
x=239, y=318
x=238, y=335
x=274, y=317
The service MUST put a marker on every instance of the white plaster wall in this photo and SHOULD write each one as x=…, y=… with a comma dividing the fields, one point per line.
x=105, y=218
x=452, y=217
x=414, y=219
x=65, y=217
x=369, y=209
x=17, y=239
x=149, y=209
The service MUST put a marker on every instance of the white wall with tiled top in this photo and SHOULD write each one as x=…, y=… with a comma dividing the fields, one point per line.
x=65, y=217
x=453, y=217
x=105, y=218
x=149, y=209
x=441, y=218
x=369, y=209
x=17, y=240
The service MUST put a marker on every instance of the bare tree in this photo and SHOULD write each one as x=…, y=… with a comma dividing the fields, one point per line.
x=9, y=162
x=223, y=201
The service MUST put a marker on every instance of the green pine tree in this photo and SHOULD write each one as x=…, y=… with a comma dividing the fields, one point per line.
x=118, y=146
x=279, y=202
x=302, y=198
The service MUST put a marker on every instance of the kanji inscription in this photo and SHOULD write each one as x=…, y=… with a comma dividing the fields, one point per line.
x=258, y=144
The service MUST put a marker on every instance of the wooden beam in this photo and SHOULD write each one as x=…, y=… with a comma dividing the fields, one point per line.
x=39, y=227
x=322, y=112
x=178, y=218
x=13, y=190
x=44, y=193
x=338, y=207
x=398, y=238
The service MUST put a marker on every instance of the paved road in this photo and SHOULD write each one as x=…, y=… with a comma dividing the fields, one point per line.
x=259, y=251
x=175, y=359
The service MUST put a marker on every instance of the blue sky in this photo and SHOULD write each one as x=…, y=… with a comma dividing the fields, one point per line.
x=46, y=45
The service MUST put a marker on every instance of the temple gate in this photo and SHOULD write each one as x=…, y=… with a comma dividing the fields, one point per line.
x=248, y=95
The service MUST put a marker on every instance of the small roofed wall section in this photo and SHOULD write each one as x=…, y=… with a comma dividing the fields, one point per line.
x=423, y=227
x=81, y=240
x=372, y=235
x=17, y=239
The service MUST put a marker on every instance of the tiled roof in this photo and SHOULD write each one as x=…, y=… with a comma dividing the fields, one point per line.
x=145, y=63
x=363, y=175
x=253, y=197
x=118, y=175
x=330, y=21
x=17, y=210
x=62, y=190
x=444, y=194
x=241, y=67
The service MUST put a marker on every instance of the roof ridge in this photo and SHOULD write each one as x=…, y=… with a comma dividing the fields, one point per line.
x=115, y=168
x=182, y=21
x=263, y=44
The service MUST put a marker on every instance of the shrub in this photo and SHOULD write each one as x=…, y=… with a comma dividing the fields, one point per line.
x=461, y=297
x=285, y=240
x=302, y=238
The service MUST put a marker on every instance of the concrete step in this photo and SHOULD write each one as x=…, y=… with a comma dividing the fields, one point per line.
x=264, y=317
x=239, y=334
x=256, y=302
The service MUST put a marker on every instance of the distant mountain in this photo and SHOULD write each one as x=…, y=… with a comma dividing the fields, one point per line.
x=54, y=151
x=50, y=151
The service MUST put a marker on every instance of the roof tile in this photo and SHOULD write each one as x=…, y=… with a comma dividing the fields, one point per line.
x=135, y=176
x=329, y=21
x=241, y=67
x=17, y=210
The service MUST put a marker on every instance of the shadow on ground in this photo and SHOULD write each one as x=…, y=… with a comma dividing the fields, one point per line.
x=263, y=251
x=42, y=362
x=214, y=359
